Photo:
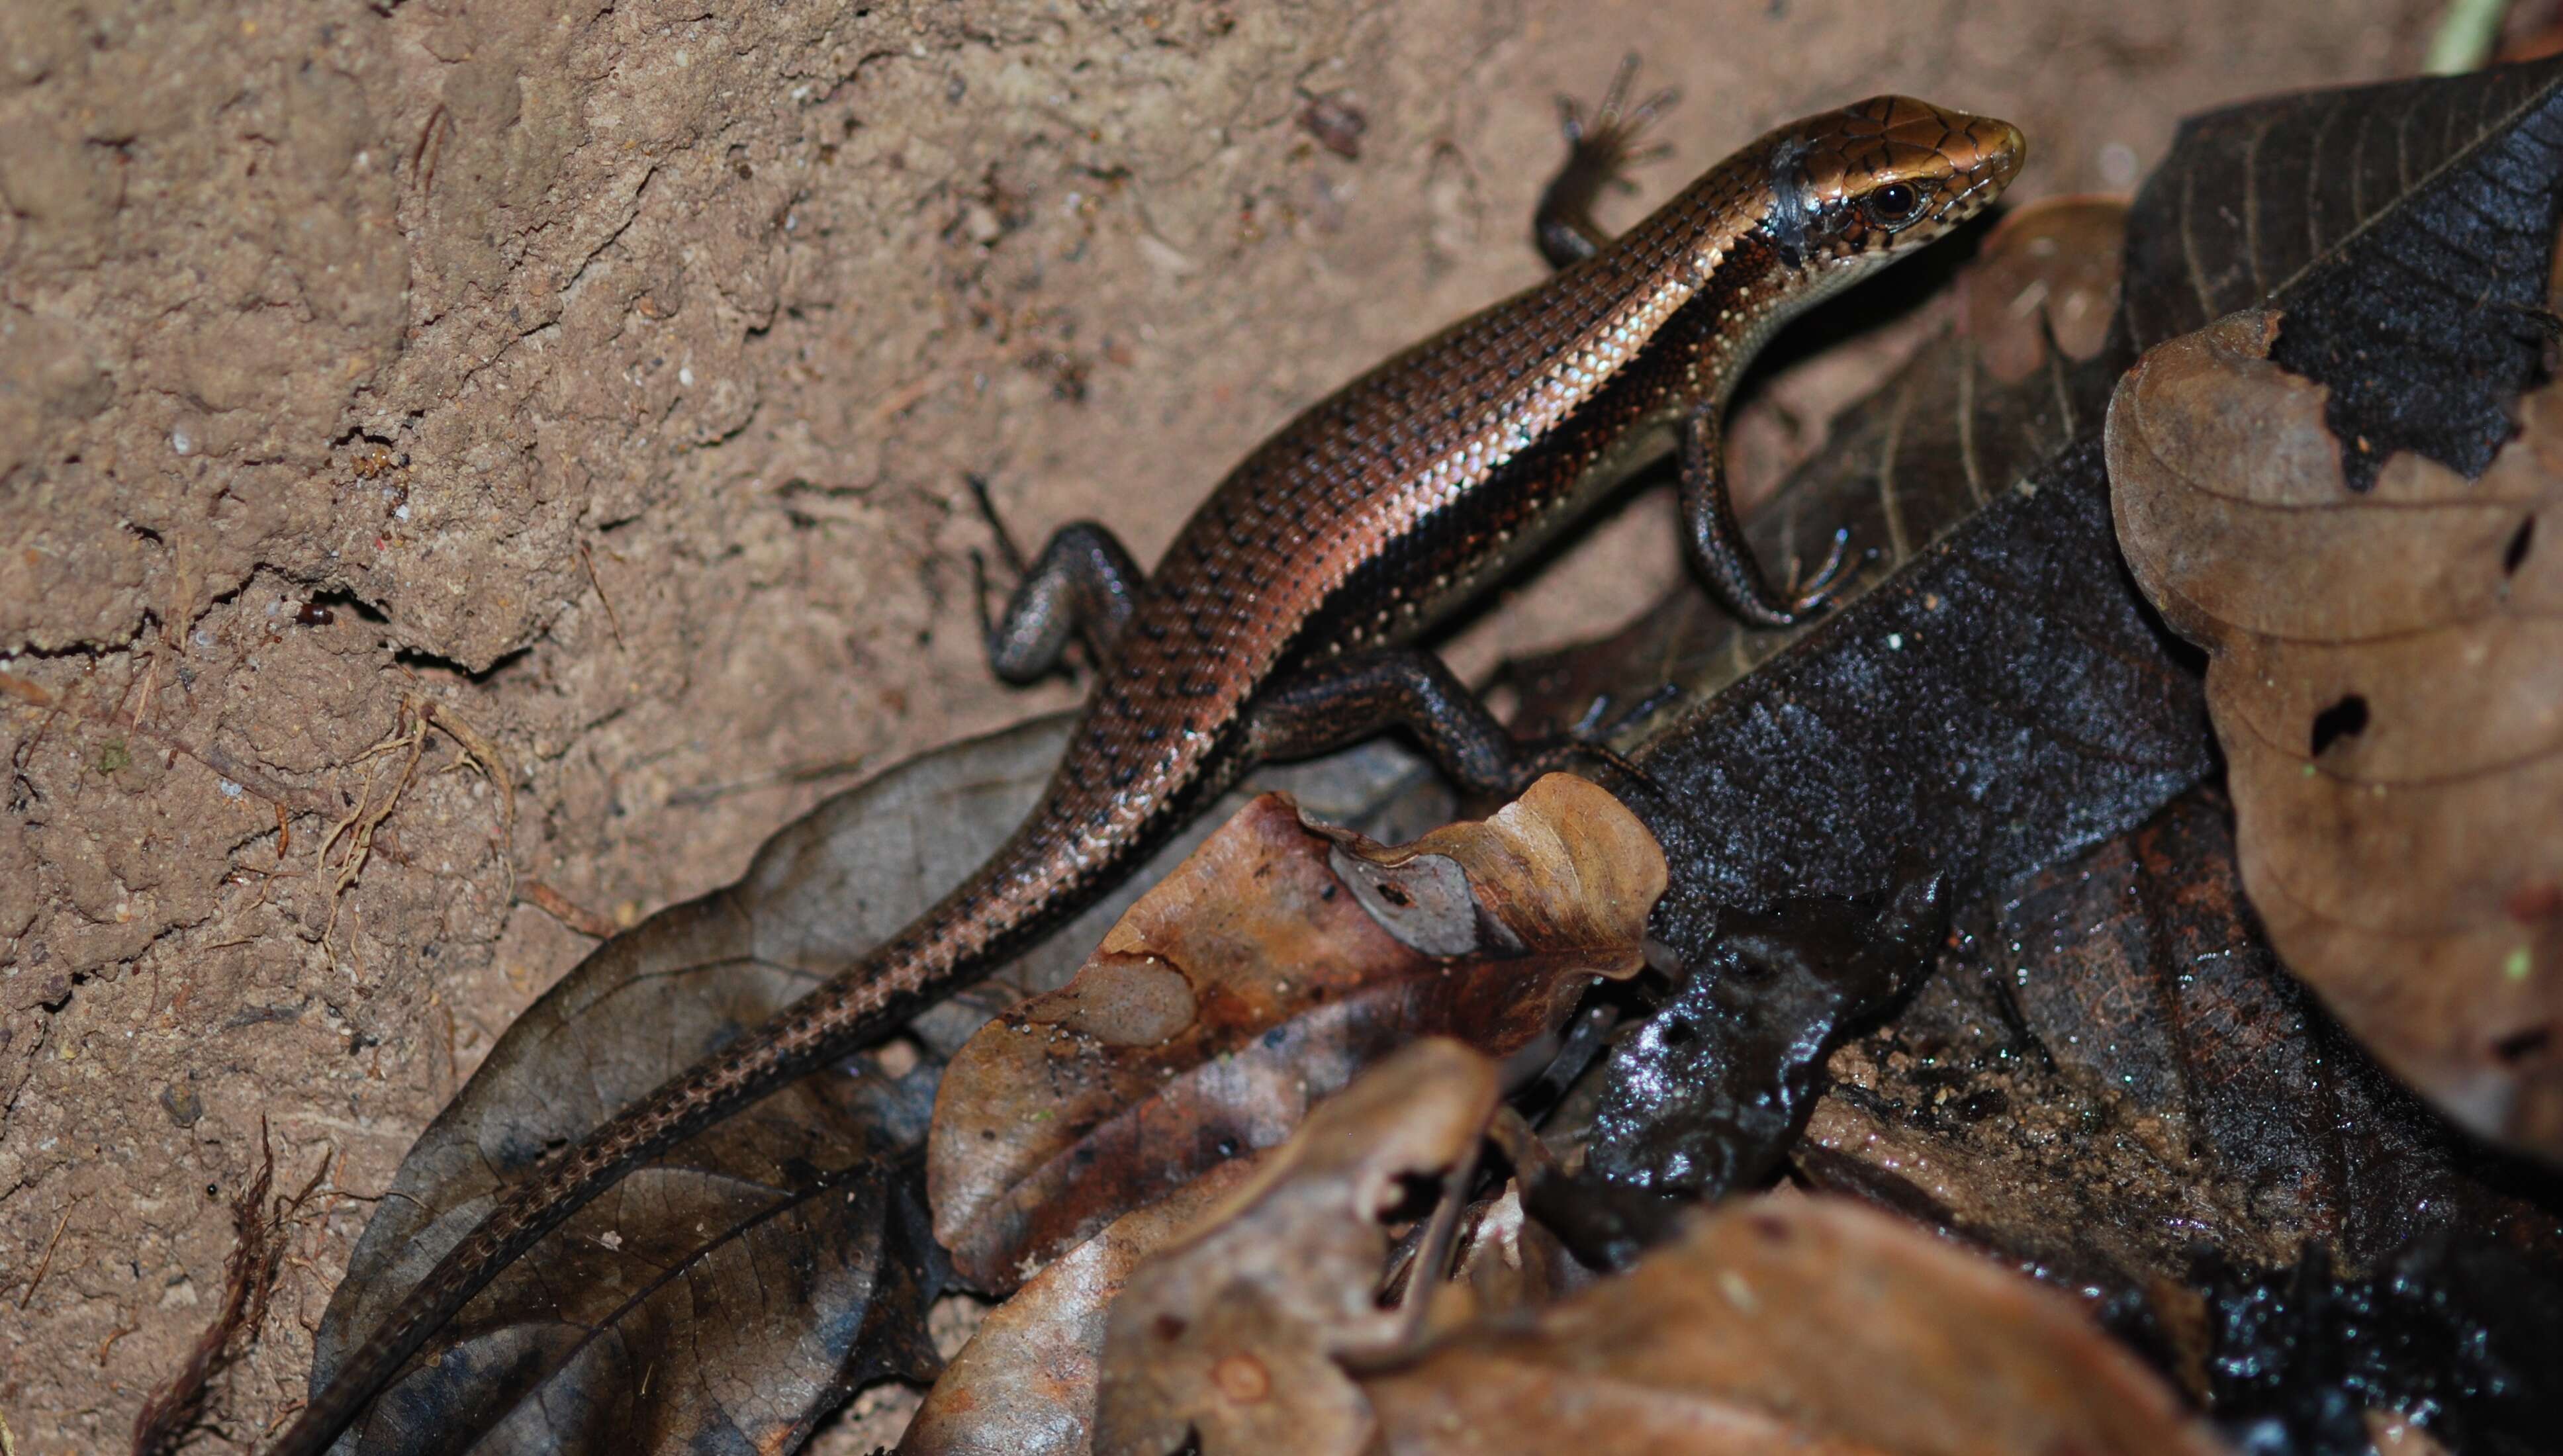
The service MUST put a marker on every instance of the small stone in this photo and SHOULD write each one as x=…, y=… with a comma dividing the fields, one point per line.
x=184, y=1108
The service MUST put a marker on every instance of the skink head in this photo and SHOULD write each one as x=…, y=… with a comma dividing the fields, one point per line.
x=1853, y=188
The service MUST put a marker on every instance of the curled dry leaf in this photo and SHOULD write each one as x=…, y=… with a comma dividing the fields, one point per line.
x=2387, y=680
x=1026, y=1384
x=1262, y=975
x=1234, y=1338
x=1509, y=1261
x=1798, y=1325
x=2038, y=297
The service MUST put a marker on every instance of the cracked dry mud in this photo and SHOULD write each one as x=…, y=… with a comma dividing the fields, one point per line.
x=602, y=379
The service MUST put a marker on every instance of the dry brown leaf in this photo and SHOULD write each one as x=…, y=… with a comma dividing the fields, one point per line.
x=1790, y=1325
x=1025, y=1384
x=1263, y=974
x=2046, y=279
x=2388, y=684
x=1234, y=1337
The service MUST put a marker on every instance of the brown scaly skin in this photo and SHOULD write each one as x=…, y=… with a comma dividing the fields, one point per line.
x=1275, y=624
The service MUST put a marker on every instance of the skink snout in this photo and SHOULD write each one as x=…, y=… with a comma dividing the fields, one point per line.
x=2000, y=149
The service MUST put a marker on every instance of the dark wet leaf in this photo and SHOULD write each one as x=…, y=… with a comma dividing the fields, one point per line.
x=2254, y=198
x=1261, y=976
x=738, y=1289
x=2460, y=1337
x=2112, y=1077
x=1710, y=1092
x=1788, y=1326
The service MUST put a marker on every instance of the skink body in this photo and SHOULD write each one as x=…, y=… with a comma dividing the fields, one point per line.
x=1277, y=622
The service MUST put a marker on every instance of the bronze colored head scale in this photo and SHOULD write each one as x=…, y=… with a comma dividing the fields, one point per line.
x=1855, y=187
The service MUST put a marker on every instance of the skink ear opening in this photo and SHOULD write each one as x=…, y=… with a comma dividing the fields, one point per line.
x=1792, y=200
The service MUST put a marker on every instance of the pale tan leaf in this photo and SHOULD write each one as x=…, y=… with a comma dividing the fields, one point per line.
x=2387, y=681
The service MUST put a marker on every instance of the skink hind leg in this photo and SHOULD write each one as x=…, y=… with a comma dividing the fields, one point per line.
x=1344, y=700
x=1082, y=585
x=1718, y=548
x=1600, y=152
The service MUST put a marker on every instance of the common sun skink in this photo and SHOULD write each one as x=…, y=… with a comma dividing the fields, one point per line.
x=1279, y=623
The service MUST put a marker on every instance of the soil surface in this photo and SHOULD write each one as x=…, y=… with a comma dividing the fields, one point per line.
x=470, y=468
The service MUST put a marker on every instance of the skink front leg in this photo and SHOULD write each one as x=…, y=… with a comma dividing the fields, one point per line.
x=1600, y=152
x=1346, y=699
x=1083, y=584
x=1716, y=540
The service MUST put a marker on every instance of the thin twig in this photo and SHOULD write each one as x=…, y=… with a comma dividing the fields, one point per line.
x=47, y=1263
x=567, y=911
x=35, y=694
x=611, y=619
x=409, y=731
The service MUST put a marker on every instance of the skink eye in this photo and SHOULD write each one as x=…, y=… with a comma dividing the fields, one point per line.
x=1893, y=205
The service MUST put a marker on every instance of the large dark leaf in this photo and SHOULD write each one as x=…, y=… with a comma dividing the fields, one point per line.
x=731, y=1293
x=2254, y=198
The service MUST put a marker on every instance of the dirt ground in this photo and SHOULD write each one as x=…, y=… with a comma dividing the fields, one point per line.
x=469, y=470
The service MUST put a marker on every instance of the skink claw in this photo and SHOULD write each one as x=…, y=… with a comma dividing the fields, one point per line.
x=1828, y=578
x=1600, y=723
x=1006, y=546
